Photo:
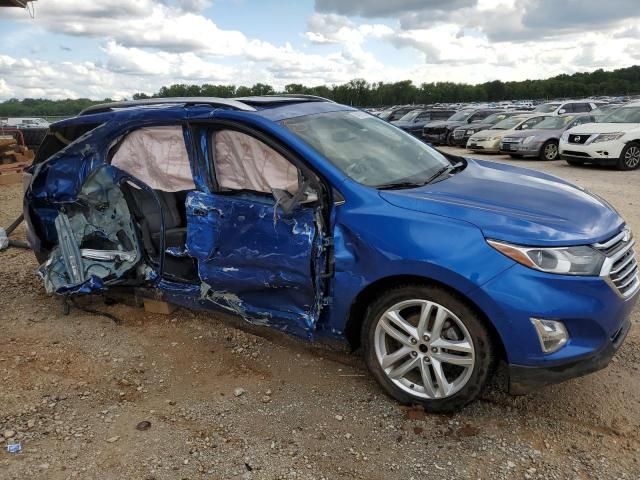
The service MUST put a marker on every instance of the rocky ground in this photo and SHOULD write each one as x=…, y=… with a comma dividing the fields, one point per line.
x=224, y=400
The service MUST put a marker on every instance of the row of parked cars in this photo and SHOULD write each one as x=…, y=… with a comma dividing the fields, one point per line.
x=578, y=131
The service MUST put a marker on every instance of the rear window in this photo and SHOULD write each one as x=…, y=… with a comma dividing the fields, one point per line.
x=57, y=139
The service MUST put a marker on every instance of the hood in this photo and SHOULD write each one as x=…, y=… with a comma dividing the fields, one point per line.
x=477, y=126
x=537, y=132
x=515, y=205
x=604, y=128
x=444, y=123
x=491, y=133
x=408, y=125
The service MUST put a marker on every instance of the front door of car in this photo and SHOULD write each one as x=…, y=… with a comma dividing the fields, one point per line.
x=256, y=234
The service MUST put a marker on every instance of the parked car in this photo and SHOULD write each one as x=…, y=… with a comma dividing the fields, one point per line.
x=396, y=113
x=542, y=140
x=414, y=121
x=488, y=141
x=462, y=134
x=319, y=219
x=570, y=106
x=441, y=133
x=601, y=112
x=613, y=141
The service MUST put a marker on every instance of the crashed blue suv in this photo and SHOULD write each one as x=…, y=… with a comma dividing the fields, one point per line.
x=321, y=220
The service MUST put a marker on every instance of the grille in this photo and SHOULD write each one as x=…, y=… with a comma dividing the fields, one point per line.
x=621, y=263
x=576, y=154
x=457, y=134
x=580, y=139
x=511, y=140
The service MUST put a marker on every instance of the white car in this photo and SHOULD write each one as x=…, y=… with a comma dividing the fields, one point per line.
x=570, y=106
x=614, y=141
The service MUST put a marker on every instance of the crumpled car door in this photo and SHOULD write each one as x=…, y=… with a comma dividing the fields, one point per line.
x=98, y=244
x=256, y=261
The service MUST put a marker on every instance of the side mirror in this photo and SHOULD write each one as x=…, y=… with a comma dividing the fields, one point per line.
x=562, y=111
x=524, y=127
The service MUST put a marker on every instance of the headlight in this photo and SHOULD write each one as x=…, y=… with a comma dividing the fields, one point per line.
x=607, y=137
x=471, y=132
x=565, y=137
x=580, y=260
x=528, y=140
x=493, y=139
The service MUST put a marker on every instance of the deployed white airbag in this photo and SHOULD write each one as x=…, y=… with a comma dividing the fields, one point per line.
x=158, y=157
x=245, y=163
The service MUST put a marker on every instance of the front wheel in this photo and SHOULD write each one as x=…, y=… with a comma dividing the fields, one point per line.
x=630, y=157
x=425, y=346
x=549, y=150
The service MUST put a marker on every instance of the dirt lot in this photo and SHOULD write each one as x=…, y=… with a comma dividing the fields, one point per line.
x=226, y=400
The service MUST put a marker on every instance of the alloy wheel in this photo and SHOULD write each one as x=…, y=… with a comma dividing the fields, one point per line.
x=632, y=157
x=424, y=349
x=551, y=151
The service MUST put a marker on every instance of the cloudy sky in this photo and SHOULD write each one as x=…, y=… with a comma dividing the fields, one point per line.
x=102, y=48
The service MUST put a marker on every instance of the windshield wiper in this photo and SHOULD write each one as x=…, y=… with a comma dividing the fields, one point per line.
x=399, y=185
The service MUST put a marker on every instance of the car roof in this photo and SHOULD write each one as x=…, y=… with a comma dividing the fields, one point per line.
x=274, y=107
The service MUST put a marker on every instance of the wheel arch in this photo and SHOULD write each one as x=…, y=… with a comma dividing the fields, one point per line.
x=365, y=297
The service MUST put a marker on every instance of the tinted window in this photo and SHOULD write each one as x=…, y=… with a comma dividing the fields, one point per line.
x=581, y=107
x=546, y=107
x=567, y=107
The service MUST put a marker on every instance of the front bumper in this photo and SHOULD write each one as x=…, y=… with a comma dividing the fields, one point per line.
x=528, y=150
x=439, y=138
x=490, y=146
x=524, y=379
x=595, y=315
x=604, y=153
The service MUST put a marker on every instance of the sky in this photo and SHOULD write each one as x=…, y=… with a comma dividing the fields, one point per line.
x=102, y=48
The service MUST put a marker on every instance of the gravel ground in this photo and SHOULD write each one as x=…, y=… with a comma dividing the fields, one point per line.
x=227, y=400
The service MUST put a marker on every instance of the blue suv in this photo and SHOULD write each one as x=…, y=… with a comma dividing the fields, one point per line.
x=321, y=220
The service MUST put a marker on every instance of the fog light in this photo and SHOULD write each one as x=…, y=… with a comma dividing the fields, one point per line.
x=552, y=334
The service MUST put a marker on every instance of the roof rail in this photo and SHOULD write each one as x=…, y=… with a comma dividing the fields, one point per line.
x=186, y=101
x=282, y=97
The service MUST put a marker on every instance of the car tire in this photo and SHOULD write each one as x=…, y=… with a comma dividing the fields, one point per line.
x=549, y=151
x=418, y=370
x=630, y=157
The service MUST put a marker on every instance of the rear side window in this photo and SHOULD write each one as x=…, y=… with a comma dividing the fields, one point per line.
x=58, y=138
x=581, y=107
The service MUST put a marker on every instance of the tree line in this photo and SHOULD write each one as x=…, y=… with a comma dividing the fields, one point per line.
x=359, y=92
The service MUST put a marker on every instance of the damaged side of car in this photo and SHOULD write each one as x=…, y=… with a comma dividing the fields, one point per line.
x=211, y=215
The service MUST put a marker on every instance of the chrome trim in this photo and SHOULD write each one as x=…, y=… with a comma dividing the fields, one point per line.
x=624, y=279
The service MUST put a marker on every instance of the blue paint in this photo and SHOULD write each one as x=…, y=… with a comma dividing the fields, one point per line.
x=269, y=270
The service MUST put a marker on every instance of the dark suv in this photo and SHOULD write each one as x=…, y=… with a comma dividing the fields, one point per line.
x=441, y=133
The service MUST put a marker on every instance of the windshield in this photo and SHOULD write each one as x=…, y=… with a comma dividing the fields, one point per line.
x=507, y=123
x=553, y=123
x=411, y=116
x=623, y=115
x=367, y=149
x=460, y=116
x=546, y=107
x=495, y=118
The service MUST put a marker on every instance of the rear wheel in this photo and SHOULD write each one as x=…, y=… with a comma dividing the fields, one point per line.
x=549, y=150
x=630, y=157
x=425, y=346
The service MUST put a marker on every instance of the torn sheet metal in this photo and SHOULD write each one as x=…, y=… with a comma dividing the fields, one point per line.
x=268, y=266
x=96, y=240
